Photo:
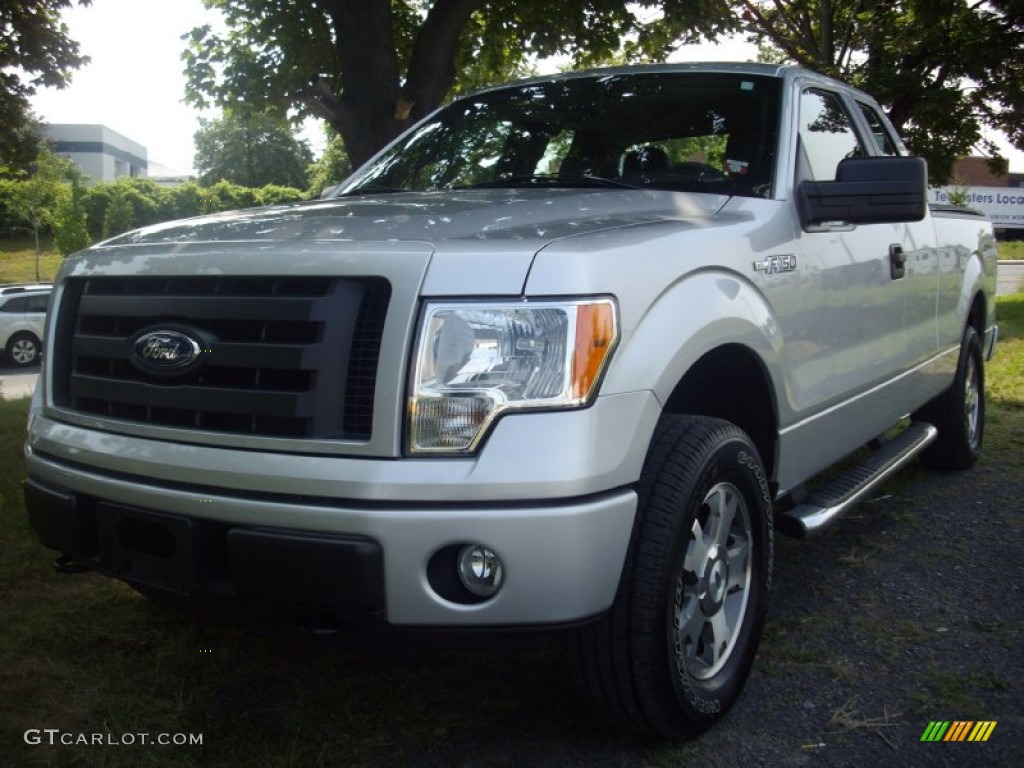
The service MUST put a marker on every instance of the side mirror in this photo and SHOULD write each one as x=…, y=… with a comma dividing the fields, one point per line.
x=867, y=190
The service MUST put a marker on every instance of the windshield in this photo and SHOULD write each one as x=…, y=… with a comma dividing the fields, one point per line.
x=680, y=131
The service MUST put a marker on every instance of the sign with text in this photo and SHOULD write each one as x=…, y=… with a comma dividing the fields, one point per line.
x=1004, y=205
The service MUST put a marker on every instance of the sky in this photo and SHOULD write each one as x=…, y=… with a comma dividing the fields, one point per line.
x=135, y=83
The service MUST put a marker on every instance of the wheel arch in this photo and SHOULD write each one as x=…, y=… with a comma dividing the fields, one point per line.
x=710, y=345
x=24, y=331
x=976, y=315
x=731, y=382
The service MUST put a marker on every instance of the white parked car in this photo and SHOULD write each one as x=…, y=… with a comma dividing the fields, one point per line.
x=22, y=316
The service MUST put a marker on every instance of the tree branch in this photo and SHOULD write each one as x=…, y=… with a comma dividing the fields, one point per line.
x=763, y=26
x=431, y=70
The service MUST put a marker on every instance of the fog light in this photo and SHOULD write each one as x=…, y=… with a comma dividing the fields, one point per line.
x=480, y=570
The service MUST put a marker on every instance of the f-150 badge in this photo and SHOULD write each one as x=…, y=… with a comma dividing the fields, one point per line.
x=771, y=265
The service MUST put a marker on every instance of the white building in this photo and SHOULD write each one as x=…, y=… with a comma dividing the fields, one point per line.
x=103, y=154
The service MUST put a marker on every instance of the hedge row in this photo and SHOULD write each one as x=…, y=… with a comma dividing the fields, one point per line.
x=115, y=207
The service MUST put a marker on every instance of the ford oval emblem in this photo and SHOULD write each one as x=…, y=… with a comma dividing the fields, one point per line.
x=165, y=351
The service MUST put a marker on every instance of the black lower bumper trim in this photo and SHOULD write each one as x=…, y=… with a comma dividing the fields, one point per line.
x=59, y=521
x=272, y=565
x=191, y=557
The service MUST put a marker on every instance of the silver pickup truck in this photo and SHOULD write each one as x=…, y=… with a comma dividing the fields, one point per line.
x=563, y=355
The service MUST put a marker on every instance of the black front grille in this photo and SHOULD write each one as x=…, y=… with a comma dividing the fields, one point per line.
x=282, y=356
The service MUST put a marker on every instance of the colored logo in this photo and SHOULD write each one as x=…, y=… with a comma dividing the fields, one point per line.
x=165, y=351
x=958, y=730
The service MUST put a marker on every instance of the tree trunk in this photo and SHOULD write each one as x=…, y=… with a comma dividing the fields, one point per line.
x=363, y=112
x=35, y=231
x=432, y=66
x=373, y=106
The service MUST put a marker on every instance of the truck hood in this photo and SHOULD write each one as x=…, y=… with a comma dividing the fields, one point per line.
x=531, y=218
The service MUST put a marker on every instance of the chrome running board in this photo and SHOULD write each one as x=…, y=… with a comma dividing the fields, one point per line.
x=852, y=484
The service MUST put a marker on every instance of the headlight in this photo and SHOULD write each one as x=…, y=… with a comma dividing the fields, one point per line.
x=474, y=362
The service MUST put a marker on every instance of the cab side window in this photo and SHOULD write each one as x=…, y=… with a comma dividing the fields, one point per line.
x=881, y=136
x=827, y=135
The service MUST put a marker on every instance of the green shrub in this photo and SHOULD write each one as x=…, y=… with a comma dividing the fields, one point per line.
x=226, y=196
x=120, y=216
x=272, y=194
x=70, y=230
x=103, y=210
x=187, y=200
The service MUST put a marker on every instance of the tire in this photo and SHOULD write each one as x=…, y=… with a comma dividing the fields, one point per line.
x=23, y=350
x=959, y=412
x=673, y=652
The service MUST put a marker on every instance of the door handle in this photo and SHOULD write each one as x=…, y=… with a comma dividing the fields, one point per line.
x=897, y=261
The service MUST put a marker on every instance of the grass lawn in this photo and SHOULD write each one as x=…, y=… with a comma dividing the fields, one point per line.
x=1005, y=372
x=1011, y=250
x=18, y=261
x=85, y=654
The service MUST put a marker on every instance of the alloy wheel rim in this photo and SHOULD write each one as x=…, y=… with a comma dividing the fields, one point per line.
x=23, y=351
x=972, y=402
x=713, y=587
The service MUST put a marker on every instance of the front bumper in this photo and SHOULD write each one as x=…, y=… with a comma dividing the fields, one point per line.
x=361, y=554
x=562, y=560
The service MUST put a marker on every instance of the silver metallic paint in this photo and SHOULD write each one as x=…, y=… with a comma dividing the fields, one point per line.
x=679, y=267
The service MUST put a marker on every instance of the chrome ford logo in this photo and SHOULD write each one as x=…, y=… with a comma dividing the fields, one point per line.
x=165, y=351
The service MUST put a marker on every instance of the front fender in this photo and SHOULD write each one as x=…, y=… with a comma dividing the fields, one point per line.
x=691, y=317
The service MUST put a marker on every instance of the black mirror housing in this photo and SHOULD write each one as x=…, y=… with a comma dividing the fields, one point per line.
x=867, y=190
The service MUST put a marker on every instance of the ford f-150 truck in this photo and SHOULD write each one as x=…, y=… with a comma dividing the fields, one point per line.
x=565, y=354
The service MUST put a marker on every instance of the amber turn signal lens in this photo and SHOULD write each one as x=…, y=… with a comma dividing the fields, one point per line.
x=595, y=337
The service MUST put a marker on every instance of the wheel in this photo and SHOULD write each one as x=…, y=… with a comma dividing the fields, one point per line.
x=959, y=412
x=23, y=349
x=678, y=643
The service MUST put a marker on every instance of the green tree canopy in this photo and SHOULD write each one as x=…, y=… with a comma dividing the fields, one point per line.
x=944, y=69
x=35, y=51
x=371, y=67
x=330, y=168
x=120, y=215
x=34, y=199
x=252, y=149
x=69, y=219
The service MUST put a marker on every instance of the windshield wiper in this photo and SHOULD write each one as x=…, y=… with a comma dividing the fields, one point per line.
x=551, y=180
x=372, y=189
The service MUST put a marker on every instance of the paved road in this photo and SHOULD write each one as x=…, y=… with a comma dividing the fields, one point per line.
x=1011, y=277
x=17, y=382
